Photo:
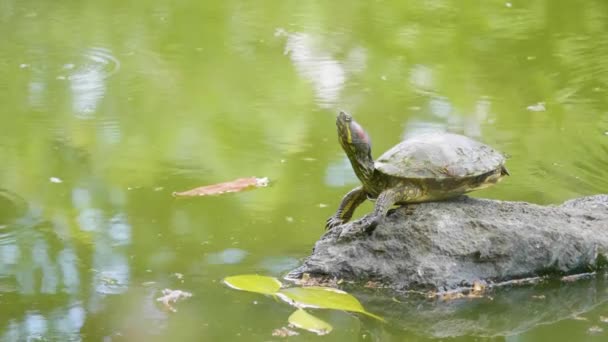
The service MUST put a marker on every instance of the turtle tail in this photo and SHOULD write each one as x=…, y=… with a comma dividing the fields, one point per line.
x=504, y=171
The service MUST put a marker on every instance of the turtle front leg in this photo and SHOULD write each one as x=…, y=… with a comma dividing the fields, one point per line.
x=347, y=207
x=385, y=201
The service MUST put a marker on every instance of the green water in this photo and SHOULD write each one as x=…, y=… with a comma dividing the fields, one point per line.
x=109, y=106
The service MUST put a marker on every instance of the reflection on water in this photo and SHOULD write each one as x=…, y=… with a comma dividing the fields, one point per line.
x=126, y=104
x=415, y=127
x=340, y=173
x=421, y=78
x=227, y=256
x=68, y=265
x=87, y=82
x=60, y=324
x=325, y=73
x=87, y=90
x=86, y=74
x=41, y=260
x=506, y=312
x=35, y=266
x=279, y=265
x=37, y=93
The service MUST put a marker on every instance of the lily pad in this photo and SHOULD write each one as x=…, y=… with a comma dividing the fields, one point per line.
x=303, y=320
x=254, y=283
x=323, y=298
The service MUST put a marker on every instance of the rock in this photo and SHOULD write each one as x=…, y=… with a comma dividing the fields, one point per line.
x=453, y=244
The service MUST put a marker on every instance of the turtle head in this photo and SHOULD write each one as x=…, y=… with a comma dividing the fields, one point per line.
x=352, y=136
x=356, y=145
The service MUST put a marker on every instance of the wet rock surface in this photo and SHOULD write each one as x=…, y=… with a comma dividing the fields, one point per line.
x=452, y=244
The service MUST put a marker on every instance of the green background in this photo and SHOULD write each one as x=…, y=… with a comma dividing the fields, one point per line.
x=107, y=107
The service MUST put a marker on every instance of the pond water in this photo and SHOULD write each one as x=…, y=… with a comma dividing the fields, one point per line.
x=108, y=107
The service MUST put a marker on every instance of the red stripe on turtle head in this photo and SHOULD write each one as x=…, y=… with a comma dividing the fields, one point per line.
x=359, y=134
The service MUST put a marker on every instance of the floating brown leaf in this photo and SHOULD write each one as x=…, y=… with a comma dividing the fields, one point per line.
x=236, y=185
x=284, y=332
x=172, y=296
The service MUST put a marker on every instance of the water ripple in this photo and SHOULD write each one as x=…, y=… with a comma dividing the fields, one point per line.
x=96, y=58
x=87, y=82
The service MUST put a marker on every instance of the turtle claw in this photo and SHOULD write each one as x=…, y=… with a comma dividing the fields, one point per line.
x=333, y=222
x=349, y=234
x=361, y=227
x=368, y=224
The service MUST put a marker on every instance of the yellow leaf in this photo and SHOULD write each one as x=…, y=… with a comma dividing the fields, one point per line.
x=254, y=283
x=303, y=320
x=323, y=298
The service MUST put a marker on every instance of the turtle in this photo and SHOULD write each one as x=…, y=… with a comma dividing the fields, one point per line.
x=426, y=167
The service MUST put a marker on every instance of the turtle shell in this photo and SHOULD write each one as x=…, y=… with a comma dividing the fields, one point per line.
x=439, y=155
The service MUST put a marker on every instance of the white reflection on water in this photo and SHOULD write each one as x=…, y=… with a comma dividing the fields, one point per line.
x=279, y=264
x=109, y=260
x=91, y=219
x=227, y=256
x=113, y=272
x=35, y=326
x=356, y=60
x=88, y=88
x=11, y=332
x=36, y=93
x=422, y=79
x=65, y=324
x=110, y=235
x=31, y=264
x=325, y=73
x=25, y=280
x=340, y=173
x=68, y=265
x=9, y=254
x=28, y=267
x=110, y=132
x=41, y=257
x=70, y=321
x=87, y=82
x=119, y=230
x=441, y=107
x=416, y=127
x=447, y=119
x=81, y=198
